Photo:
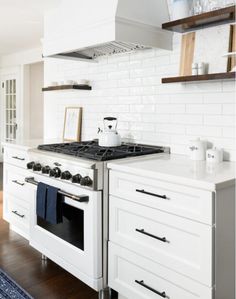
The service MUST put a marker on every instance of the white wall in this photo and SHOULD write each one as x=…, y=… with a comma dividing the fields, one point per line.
x=21, y=58
x=36, y=100
x=130, y=88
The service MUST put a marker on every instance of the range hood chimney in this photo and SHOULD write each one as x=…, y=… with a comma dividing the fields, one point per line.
x=88, y=29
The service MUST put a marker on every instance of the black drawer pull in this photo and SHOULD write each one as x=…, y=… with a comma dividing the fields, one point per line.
x=141, y=282
x=17, y=214
x=152, y=194
x=17, y=158
x=18, y=183
x=142, y=231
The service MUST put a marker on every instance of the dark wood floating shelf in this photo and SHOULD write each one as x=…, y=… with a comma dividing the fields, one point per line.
x=207, y=19
x=216, y=76
x=66, y=87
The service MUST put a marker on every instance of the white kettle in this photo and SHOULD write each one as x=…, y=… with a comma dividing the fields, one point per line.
x=109, y=136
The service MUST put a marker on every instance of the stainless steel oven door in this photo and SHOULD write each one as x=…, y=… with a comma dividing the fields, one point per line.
x=81, y=257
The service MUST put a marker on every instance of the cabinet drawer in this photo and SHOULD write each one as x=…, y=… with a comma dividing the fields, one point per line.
x=188, y=202
x=136, y=277
x=14, y=182
x=17, y=213
x=177, y=243
x=16, y=157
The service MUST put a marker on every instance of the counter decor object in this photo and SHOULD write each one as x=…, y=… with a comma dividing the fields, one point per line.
x=82, y=82
x=195, y=69
x=197, y=149
x=72, y=124
x=109, y=136
x=214, y=155
x=202, y=68
x=181, y=9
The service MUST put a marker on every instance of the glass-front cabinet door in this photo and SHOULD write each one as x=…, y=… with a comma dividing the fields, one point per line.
x=9, y=108
x=10, y=123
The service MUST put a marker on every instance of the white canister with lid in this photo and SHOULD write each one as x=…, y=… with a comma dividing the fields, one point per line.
x=214, y=155
x=197, y=149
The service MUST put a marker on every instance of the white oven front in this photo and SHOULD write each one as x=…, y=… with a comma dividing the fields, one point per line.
x=75, y=244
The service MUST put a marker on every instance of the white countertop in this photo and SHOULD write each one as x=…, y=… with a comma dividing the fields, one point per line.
x=179, y=169
x=26, y=144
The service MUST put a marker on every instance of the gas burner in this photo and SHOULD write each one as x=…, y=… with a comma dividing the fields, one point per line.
x=91, y=150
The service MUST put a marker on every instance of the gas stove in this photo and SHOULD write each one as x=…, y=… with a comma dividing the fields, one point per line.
x=91, y=150
x=79, y=171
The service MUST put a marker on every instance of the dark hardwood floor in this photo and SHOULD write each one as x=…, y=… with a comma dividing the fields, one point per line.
x=41, y=279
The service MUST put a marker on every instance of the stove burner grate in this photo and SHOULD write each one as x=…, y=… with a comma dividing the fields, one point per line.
x=91, y=150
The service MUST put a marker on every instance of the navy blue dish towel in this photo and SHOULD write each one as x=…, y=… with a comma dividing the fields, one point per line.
x=41, y=199
x=54, y=205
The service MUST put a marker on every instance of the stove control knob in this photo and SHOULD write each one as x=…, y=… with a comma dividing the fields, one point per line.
x=55, y=172
x=66, y=175
x=76, y=178
x=37, y=167
x=30, y=165
x=46, y=169
x=86, y=181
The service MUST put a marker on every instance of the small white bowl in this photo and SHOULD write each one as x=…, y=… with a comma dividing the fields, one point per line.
x=83, y=82
x=70, y=82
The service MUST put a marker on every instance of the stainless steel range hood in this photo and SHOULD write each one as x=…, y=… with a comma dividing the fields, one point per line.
x=88, y=29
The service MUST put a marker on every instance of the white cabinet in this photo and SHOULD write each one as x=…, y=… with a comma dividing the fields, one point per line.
x=169, y=240
x=182, y=245
x=16, y=193
x=140, y=278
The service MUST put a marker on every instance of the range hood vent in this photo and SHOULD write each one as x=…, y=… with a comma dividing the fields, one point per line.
x=112, y=27
x=106, y=49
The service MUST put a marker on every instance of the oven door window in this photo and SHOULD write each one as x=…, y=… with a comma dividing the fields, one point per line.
x=71, y=229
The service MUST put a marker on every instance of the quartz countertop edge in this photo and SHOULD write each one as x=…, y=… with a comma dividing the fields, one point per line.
x=180, y=169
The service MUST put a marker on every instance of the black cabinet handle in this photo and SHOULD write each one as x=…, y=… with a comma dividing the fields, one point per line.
x=17, y=158
x=17, y=214
x=142, y=231
x=141, y=282
x=18, y=183
x=152, y=194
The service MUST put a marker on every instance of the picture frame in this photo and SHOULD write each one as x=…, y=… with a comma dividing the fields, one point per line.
x=72, y=124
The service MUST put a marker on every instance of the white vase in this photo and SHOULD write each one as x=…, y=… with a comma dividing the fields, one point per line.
x=180, y=9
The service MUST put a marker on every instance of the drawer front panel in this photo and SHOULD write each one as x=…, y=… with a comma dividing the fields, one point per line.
x=16, y=157
x=136, y=277
x=188, y=202
x=17, y=213
x=14, y=182
x=177, y=243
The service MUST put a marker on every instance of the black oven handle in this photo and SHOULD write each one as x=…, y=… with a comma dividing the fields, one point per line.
x=81, y=198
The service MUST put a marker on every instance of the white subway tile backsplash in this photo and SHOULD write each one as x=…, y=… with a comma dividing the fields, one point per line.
x=228, y=109
x=187, y=119
x=142, y=108
x=204, y=131
x=204, y=109
x=219, y=120
x=170, y=108
x=222, y=97
x=129, y=87
x=229, y=132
